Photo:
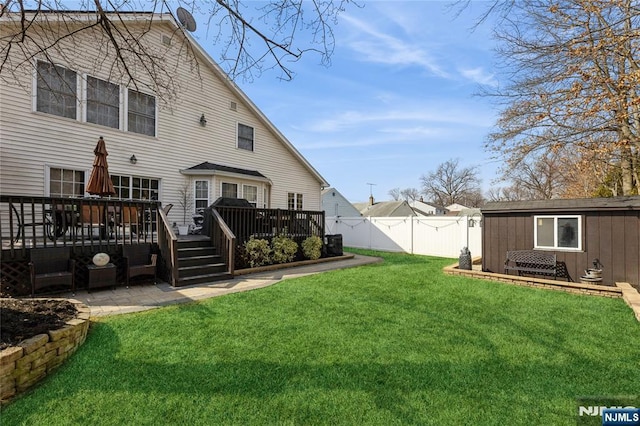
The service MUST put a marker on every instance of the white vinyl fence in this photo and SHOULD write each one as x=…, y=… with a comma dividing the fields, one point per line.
x=443, y=236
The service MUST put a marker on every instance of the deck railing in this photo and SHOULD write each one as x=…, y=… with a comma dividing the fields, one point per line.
x=168, y=245
x=86, y=224
x=247, y=222
x=222, y=237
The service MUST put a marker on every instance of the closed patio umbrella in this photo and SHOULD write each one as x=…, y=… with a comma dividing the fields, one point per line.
x=99, y=182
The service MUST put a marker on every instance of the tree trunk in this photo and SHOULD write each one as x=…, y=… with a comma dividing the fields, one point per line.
x=626, y=165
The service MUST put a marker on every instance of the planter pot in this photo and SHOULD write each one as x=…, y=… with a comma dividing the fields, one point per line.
x=594, y=273
x=183, y=229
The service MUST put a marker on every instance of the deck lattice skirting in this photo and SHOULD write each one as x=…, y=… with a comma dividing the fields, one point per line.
x=24, y=365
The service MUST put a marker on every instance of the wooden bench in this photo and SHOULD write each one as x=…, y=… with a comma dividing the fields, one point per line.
x=531, y=262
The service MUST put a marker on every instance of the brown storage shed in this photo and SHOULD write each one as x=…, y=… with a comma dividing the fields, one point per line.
x=578, y=231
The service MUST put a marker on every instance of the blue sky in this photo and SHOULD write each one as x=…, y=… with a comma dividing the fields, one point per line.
x=397, y=101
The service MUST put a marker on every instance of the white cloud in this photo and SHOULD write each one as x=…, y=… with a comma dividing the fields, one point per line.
x=344, y=121
x=480, y=76
x=376, y=46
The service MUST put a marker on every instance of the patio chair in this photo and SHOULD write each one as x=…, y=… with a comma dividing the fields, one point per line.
x=167, y=208
x=51, y=267
x=92, y=217
x=23, y=227
x=138, y=260
x=129, y=218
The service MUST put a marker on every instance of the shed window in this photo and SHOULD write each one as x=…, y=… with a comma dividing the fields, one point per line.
x=558, y=232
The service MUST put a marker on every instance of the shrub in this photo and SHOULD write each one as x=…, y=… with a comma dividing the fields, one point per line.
x=312, y=247
x=258, y=252
x=284, y=249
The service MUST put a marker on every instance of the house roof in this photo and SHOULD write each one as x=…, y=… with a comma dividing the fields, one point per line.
x=385, y=209
x=249, y=103
x=574, y=205
x=207, y=168
x=169, y=18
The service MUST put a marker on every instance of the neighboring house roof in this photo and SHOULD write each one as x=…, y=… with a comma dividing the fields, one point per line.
x=385, y=209
x=334, y=203
x=455, y=207
x=579, y=204
x=426, y=209
x=207, y=168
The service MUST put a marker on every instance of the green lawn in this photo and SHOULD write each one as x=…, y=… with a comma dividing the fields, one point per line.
x=392, y=343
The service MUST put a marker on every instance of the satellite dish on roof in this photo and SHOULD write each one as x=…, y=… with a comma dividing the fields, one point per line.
x=186, y=19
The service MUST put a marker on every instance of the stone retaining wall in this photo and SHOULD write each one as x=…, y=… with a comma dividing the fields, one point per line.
x=623, y=291
x=579, y=288
x=24, y=365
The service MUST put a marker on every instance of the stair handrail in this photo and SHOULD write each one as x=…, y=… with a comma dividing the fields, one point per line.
x=168, y=244
x=223, y=237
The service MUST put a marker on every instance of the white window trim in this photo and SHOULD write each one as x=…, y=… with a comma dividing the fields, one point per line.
x=257, y=192
x=84, y=102
x=125, y=118
x=238, y=187
x=238, y=123
x=208, y=191
x=47, y=177
x=131, y=177
x=555, y=232
x=34, y=90
x=81, y=100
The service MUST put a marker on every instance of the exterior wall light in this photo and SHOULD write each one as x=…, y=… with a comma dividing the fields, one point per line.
x=133, y=159
x=203, y=121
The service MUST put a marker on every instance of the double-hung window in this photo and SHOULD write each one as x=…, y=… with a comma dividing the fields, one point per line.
x=201, y=194
x=229, y=190
x=245, y=137
x=250, y=193
x=98, y=101
x=558, y=232
x=57, y=90
x=103, y=102
x=141, y=113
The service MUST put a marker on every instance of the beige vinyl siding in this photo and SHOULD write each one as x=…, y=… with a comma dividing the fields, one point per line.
x=30, y=140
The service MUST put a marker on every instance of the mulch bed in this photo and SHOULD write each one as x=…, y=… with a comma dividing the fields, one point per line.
x=22, y=319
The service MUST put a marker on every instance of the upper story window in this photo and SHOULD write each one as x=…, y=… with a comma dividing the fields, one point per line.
x=294, y=201
x=98, y=101
x=141, y=113
x=103, y=103
x=66, y=182
x=558, y=232
x=245, y=137
x=56, y=91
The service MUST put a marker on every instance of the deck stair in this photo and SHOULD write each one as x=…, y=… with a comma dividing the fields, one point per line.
x=199, y=262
